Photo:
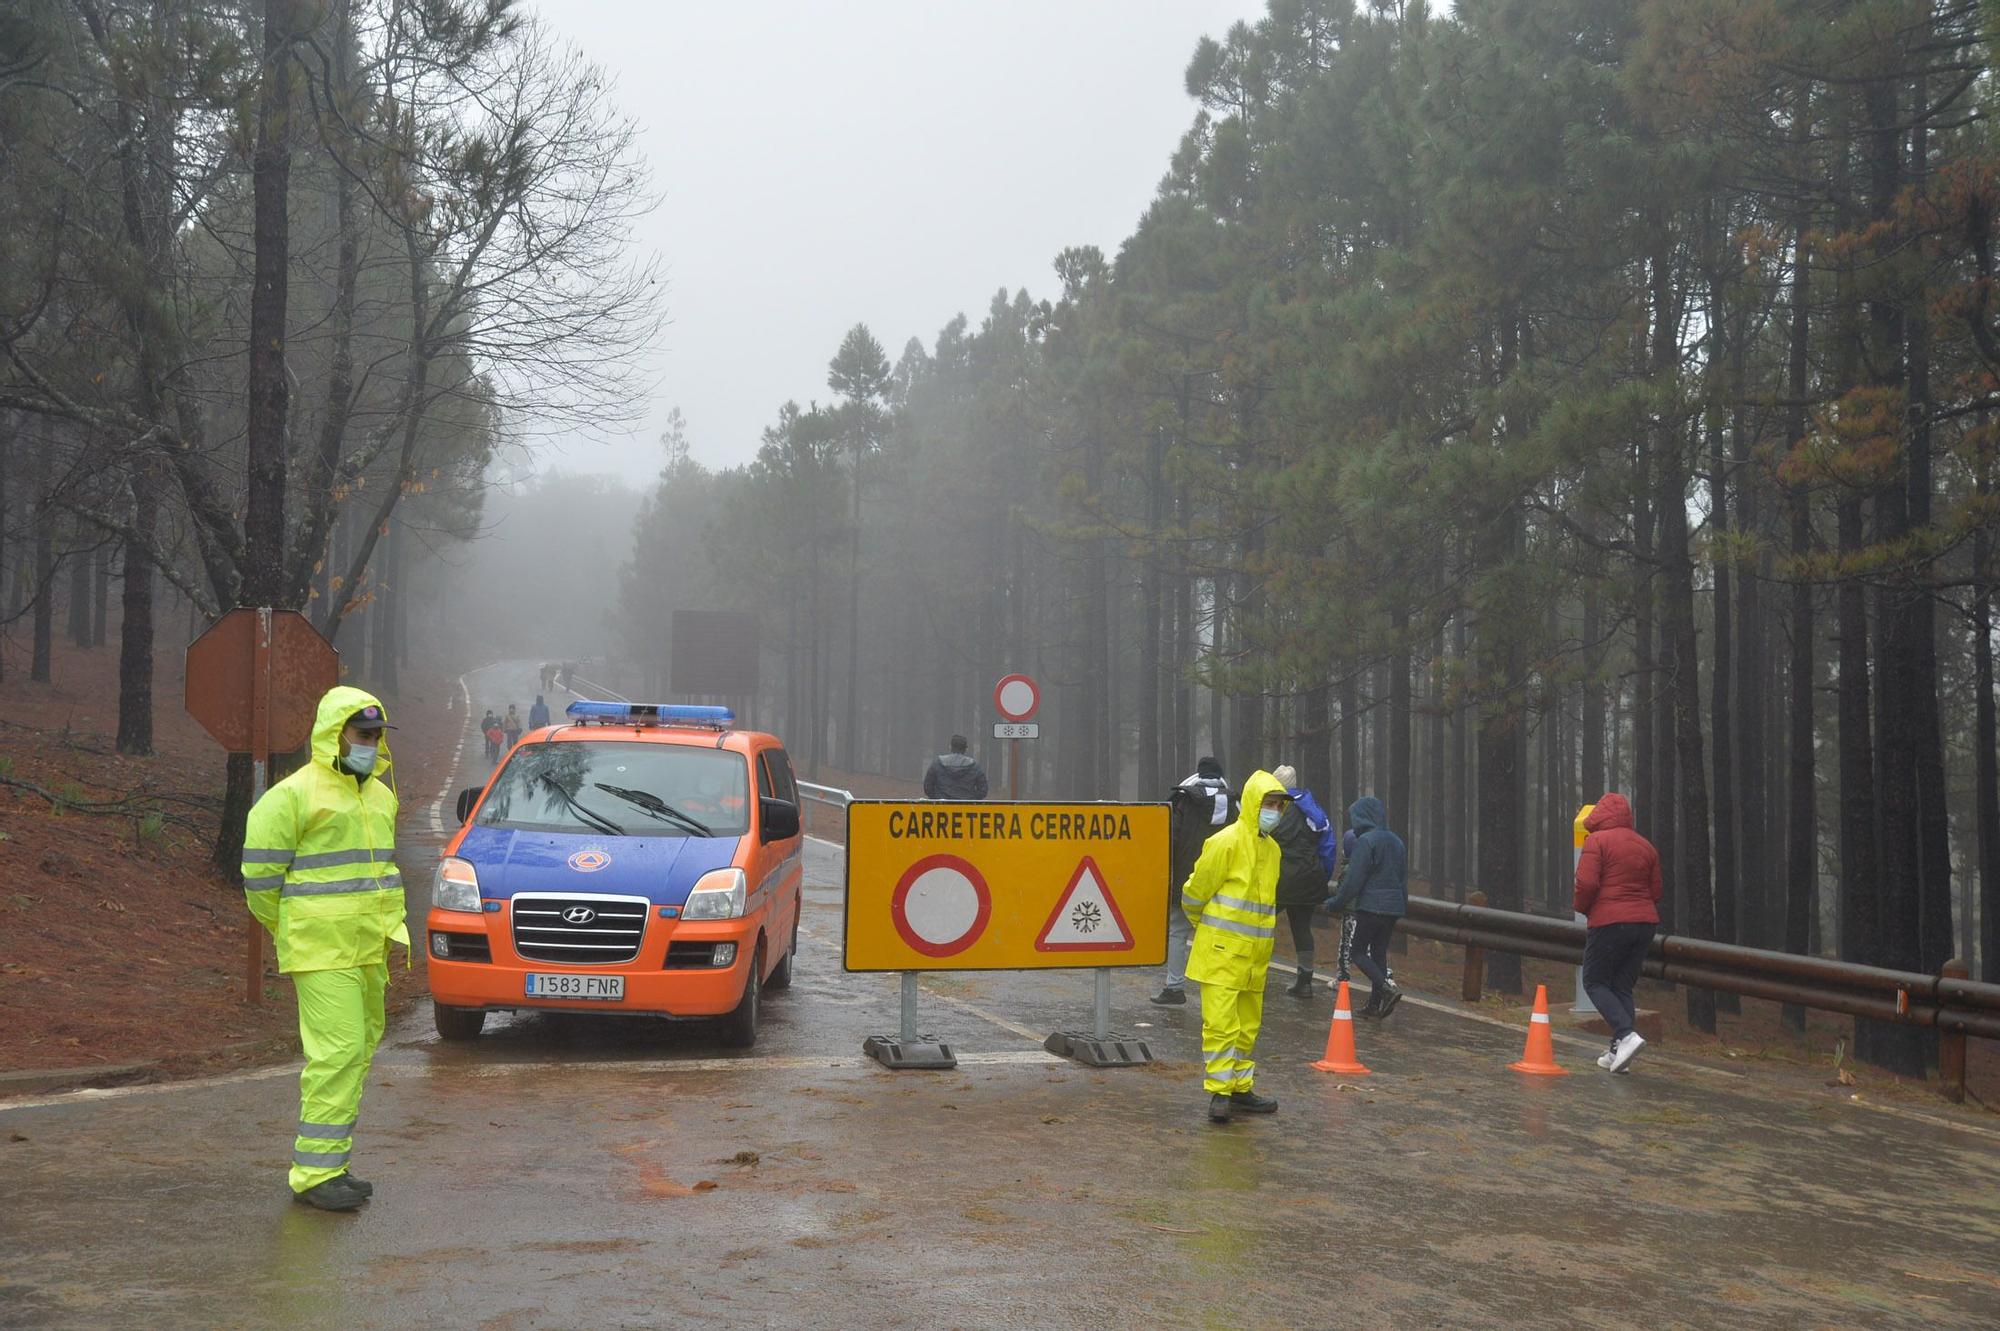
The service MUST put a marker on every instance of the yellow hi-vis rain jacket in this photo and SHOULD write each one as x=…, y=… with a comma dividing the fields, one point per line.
x=319, y=854
x=1231, y=898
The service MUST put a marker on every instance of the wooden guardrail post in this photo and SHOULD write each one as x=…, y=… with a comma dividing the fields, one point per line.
x=1951, y=1044
x=1473, y=983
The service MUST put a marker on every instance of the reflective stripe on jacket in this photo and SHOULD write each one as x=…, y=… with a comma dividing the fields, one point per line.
x=319, y=854
x=1232, y=897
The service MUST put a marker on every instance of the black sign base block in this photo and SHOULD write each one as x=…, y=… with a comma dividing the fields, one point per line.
x=929, y=1054
x=1087, y=1049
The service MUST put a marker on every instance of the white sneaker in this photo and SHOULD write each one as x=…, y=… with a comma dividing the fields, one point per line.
x=1626, y=1050
x=1604, y=1059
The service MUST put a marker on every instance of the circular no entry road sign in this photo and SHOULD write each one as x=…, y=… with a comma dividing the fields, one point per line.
x=1016, y=697
x=941, y=905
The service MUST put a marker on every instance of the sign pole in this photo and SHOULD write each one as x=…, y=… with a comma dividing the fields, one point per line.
x=1103, y=1005
x=909, y=1023
x=1013, y=769
x=260, y=757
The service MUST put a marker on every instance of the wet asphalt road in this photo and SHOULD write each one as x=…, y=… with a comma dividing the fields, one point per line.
x=555, y=1174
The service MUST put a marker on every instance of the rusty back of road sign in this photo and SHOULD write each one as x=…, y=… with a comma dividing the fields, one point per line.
x=996, y=885
x=223, y=685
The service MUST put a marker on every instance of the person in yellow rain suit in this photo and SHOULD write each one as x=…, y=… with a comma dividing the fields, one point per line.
x=319, y=872
x=1231, y=898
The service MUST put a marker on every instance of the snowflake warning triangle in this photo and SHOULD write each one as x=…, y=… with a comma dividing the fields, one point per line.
x=1086, y=917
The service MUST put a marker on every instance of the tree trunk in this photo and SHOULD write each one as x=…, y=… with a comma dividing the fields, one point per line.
x=1593, y=774
x=135, y=631
x=1350, y=741
x=1153, y=777
x=100, y=593
x=1720, y=719
x=45, y=562
x=79, y=596
x=269, y=392
x=1402, y=813
x=1986, y=746
x=1500, y=777
x=1802, y=816
x=1684, y=683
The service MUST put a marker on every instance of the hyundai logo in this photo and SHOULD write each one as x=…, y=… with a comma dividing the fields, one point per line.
x=579, y=915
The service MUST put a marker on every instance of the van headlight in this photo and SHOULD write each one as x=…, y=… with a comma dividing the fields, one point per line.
x=718, y=895
x=456, y=886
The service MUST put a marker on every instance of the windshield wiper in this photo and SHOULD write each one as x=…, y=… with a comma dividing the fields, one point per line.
x=591, y=816
x=653, y=804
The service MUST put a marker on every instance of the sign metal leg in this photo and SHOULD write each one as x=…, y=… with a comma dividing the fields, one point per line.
x=906, y=1050
x=1100, y=1048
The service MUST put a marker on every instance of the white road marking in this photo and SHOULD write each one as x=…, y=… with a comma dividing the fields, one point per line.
x=458, y=754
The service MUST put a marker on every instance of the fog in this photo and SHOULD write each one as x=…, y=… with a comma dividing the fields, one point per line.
x=888, y=162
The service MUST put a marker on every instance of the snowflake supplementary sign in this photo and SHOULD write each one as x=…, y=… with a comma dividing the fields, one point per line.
x=1086, y=917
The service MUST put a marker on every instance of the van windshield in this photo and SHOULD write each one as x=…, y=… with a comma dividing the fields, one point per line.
x=616, y=788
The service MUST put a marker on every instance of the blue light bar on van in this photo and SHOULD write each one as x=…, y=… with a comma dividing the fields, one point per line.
x=650, y=714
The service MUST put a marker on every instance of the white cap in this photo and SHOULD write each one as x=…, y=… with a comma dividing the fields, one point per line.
x=1288, y=776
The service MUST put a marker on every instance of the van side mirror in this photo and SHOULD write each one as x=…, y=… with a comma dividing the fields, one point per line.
x=779, y=819
x=466, y=799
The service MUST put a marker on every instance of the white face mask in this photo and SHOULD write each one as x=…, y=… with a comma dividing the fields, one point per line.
x=1267, y=820
x=360, y=759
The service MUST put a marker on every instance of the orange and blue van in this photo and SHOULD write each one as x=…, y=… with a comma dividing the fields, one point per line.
x=639, y=858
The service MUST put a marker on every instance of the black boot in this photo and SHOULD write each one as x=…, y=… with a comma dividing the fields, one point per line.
x=362, y=1186
x=1169, y=996
x=1392, y=994
x=1372, y=1008
x=1252, y=1103
x=336, y=1194
x=1302, y=987
x=1218, y=1108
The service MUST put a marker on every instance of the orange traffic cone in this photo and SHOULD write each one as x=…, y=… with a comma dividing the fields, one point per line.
x=1340, y=1041
x=1539, y=1058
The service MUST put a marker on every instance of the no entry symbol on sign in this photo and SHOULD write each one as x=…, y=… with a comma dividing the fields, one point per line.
x=941, y=905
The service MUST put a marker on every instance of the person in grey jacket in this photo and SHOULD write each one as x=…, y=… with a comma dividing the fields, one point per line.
x=956, y=775
x=1376, y=890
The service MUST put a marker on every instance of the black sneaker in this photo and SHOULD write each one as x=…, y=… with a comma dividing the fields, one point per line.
x=1372, y=1008
x=1252, y=1103
x=1218, y=1108
x=1392, y=994
x=362, y=1186
x=1303, y=986
x=336, y=1194
x=1170, y=997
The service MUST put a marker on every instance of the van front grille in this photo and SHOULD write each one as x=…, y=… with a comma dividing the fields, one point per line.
x=579, y=930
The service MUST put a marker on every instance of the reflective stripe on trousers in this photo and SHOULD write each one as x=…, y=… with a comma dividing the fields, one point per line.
x=1230, y=1019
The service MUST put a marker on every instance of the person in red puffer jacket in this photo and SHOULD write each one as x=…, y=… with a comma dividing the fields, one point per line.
x=1618, y=893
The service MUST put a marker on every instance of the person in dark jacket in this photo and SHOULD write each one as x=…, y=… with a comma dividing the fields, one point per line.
x=538, y=715
x=1375, y=889
x=510, y=726
x=1308, y=848
x=1618, y=894
x=1197, y=809
x=956, y=775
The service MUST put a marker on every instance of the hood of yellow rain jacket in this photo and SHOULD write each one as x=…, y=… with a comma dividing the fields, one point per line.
x=339, y=703
x=1260, y=785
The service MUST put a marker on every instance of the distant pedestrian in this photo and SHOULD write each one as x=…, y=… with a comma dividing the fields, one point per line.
x=1618, y=894
x=955, y=775
x=511, y=727
x=566, y=675
x=1344, y=958
x=1198, y=808
x=538, y=715
x=1231, y=898
x=489, y=726
x=1309, y=848
x=1375, y=888
x=548, y=676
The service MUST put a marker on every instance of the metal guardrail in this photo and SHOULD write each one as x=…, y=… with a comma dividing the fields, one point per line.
x=832, y=797
x=1949, y=1002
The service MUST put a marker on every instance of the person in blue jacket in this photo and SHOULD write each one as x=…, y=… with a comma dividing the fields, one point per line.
x=1309, y=849
x=1376, y=891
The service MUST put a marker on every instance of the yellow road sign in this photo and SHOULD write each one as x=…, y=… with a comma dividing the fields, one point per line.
x=997, y=885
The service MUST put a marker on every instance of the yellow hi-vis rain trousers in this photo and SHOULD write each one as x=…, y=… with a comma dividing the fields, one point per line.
x=1230, y=1020
x=1232, y=900
x=340, y=1023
